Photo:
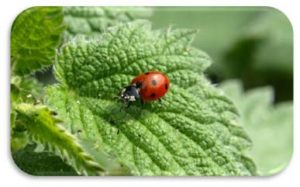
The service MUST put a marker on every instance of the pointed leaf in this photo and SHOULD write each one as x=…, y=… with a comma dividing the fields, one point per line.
x=189, y=134
x=45, y=129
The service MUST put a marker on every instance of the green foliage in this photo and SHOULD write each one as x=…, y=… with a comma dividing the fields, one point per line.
x=41, y=163
x=25, y=89
x=22, y=90
x=194, y=132
x=44, y=128
x=92, y=21
x=269, y=126
x=19, y=137
x=78, y=123
x=35, y=35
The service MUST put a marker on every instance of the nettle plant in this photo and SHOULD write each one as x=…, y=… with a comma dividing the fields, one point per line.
x=79, y=126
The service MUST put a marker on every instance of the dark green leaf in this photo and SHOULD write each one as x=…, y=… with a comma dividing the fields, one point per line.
x=41, y=163
x=44, y=128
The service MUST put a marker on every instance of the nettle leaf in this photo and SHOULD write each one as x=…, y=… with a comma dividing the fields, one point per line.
x=44, y=128
x=265, y=123
x=23, y=89
x=189, y=134
x=93, y=21
x=35, y=35
x=41, y=163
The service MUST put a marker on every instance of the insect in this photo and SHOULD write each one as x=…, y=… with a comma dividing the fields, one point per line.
x=146, y=87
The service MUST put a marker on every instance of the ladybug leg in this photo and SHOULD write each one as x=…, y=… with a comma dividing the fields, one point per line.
x=128, y=105
x=142, y=102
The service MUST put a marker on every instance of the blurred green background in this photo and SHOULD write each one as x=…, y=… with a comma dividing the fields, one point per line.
x=253, y=44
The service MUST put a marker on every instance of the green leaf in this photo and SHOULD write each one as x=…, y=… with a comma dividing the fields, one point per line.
x=44, y=128
x=19, y=137
x=269, y=126
x=189, y=134
x=35, y=35
x=41, y=163
x=92, y=21
x=23, y=89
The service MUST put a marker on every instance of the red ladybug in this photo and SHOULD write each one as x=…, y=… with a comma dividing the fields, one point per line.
x=145, y=87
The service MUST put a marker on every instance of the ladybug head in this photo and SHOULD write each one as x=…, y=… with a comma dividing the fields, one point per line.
x=131, y=93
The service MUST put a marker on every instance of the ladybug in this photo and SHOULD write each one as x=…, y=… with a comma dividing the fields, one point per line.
x=146, y=87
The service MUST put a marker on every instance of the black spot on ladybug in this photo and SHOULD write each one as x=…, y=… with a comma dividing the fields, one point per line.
x=154, y=82
x=147, y=73
x=152, y=95
x=166, y=86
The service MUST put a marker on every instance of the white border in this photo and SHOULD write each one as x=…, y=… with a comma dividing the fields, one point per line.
x=10, y=175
